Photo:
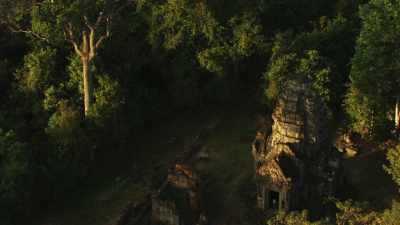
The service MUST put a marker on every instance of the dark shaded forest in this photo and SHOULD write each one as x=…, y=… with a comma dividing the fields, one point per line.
x=96, y=93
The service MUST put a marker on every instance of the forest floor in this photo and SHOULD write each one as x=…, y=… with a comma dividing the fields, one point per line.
x=227, y=175
x=367, y=181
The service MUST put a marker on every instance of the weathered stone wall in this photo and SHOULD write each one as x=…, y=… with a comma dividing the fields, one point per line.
x=297, y=158
x=164, y=212
x=179, y=201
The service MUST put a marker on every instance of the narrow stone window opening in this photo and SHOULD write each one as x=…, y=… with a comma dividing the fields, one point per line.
x=273, y=200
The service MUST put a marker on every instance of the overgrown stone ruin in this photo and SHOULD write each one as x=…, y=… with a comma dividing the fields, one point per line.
x=296, y=166
x=179, y=201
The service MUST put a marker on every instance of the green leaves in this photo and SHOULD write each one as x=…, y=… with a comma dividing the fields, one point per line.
x=38, y=70
x=355, y=213
x=393, y=156
x=14, y=11
x=241, y=39
x=179, y=24
x=108, y=99
x=349, y=212
x=175, y=22
x=375, y=65
x=292, y=218
x=307, y=67
x=247, y=36
x=15, y=162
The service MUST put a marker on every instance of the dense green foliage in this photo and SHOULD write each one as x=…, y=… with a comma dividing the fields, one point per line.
x=161, y=57
x=349, y=213
x=15, y=161
x=393, y=169
x=374, y=80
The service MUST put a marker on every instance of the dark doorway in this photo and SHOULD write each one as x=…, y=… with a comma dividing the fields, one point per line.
x=273, y=200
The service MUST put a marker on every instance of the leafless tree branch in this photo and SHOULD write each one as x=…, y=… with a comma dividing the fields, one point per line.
x=16, y=29
x=106, y=35
x=71, y=38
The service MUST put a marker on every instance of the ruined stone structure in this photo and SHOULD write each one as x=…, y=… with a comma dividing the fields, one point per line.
x=179, y=201
x=296, y=166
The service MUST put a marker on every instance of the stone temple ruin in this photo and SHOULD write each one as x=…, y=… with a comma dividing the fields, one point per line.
x=179, y=201
x=295, y=165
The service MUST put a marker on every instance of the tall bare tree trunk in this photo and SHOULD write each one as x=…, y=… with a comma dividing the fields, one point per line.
x=87, y=51
x=397, y=115
x=87, y=85
x=371, y=124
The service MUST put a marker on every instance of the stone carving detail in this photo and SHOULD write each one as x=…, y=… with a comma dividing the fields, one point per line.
x=296, y=165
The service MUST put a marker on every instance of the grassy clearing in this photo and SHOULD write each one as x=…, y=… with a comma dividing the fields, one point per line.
x=230, y=173
x=101, y=203
x=97, y=207
x=227, y=176
x=228, y=179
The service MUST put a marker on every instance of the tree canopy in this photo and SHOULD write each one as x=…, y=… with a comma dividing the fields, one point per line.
x=82, y=80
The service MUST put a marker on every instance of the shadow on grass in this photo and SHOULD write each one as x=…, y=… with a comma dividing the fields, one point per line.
x=368, y=182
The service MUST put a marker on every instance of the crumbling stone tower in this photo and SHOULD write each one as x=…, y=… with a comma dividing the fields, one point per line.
x=296, y=166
